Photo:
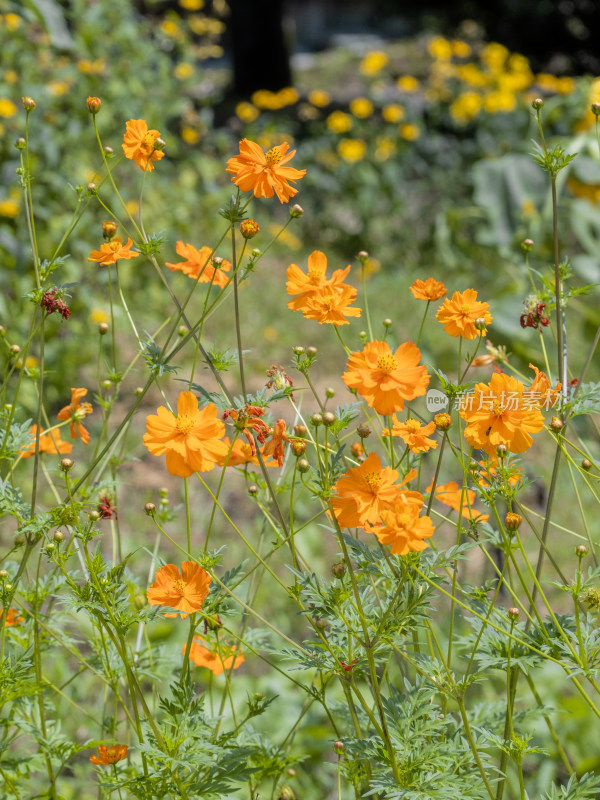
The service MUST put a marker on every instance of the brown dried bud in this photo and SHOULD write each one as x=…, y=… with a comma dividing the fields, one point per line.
x=442, y=421
x=150, y=509
x=300, y=431
x=512, y=521
x=94, y=104
x=329, y=418
x=338, y=569
x=586, y=464
x=363, y=430
x=298, y=447
x=303, y=465
x=66, y=464
x=557, y=424
x=581, y=551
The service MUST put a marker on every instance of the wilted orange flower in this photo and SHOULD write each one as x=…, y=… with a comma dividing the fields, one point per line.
x=387, y=379
x=75, y=412
x=265, y=173
x=109, y=754
x=459, y=314
x=113, y=251
x=241, y=453
x=429, y=289
x=274, y=447
x=190, y=438
x=540, y=392
x=199, y=265
x=138, y=144
x=214, y=660
x=183, y=592
x=49, y=443
x=331, y=305
x=499, y=413
x=313, y=280
x=12, y=617
x=450, y=494
x=413, y=434
x=403, y=528
x=363, y=493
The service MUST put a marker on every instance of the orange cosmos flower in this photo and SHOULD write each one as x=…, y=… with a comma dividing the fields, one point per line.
x=498, y=413
x=199, y=266
x=331, y=305
x=413, y=434
x=428, y=290
x=387, y=379
x=274, y=447
x=265, y=173
x=75, y=412
x=190, y=438
x=109, y=754
x=49, y=443
x=403, y=528
x=183, y=592
x=363, y=493
x=539, y=393
x=313, y=280
x=112, y=251
x=240, y=454
x=138, y=144
x=458, y=315
x=214, y=660
x=494, y=472
x=450, y=494
x=12, y=617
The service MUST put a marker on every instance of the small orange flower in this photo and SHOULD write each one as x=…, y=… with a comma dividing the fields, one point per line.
x=274, y=447
x=450, y=494
x=363, y=493
x=190, y=438
x=403, y=528
x=49, y=443
x=313, y=280
x=215, y=660
x=109, y=754
x=428, y=290
x=499, y=412
x=75, y=412
x=199, y=266
x=540, y=393
x=459, y=314
x=111, y=252
x=331, y=305
x=413, y=434
x=12, y=617
x=185, y=591
x=387, y=379
x=138, y=144
x=265, y=173
x=240, y=454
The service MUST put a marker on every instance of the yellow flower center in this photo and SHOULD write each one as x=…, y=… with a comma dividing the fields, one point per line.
x=184, y=423
x=402, y=520
x=315, y=276
x=413, y=425
x=387, y=364
x=497, y=409
x=373, y=481
x=273, y=157
x=465, y=310
x=82, y=410
x=115, y=245
x=179, y=586
x=148, y=141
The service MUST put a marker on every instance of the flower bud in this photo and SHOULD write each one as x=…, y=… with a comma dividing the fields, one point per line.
x=592, y=598
x=94, y=104
x=138, y=391
x=140, y=600
x=512, y=521
x=213, y=623
x=442, y=421
x=321, y=623
x=50, y=548
x=150, y=509
x=3, y=574
x=296, y=211
x=303, y=465
x=103, y=328
x=159, y=144
x=28, y=103
x=556, y=424
x=14, y=349
x=258, y=696
x=20, y=143
x=387, y=322
x=357, y=449
x=286, y=793
x=537, y=103
x=586, y=464
x=595, y=109
x=300, y=431
x=108, y=151
x=106, y=384
x=501, y=451
x=581, y=551
x=338, y=569
x=338, y=748
x=255, y=252
x=94, y=515
x=19, y=540
x=249, y=228
x=253, y=490
x=109, y=229
x=217, y=261
x=329, y=418
x=298, y=350
x=298, y=447
x=480, y=324
x=329, y=392
x=363, y=256
x=311, y=351
x=316, y=420
x=513, y=614
x=8, y=587
x=58, y=537
x=363, y=430
x=66, y=464
x=527, y=244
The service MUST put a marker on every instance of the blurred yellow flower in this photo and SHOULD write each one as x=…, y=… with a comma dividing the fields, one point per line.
x=565, y=85
x=183, y=71
x=58, y=88
x=440, y=48
x=465, y=107
x=10, y=76
x=393, y=112
x=384, y=148
x=88, y=67
x=319, y=98
x=246, y=111
x=198, y=24
x=494, y=55
x=361, y=107
x=287, y=96
x=327, y=158
x=460, y=49
x=170, y=28
x=372, y=267
x=594, y=97
x=339, y=122
x=270, y=334
x=263, y=98
x=373, y=62
x=409, y=131
x=12, y=21
x=97, y=316
x=471, y=74
x=408, y=83
x=286, y=237
x=192, y=5
x=352, y=150
x=9, y=208
x=190, y=135
x=499, y=102
x=528, y=208
x=132, y=206
x=7, y=107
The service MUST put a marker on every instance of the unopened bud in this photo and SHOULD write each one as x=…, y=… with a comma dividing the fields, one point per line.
x=338, y=569
x=557, y=424
x=150, y=509
x=139, y=391
x=329, y=392
x=28, y=103
x=58, y=537
x=213, y=623
x=357, y=449
x=286, y=793
x=108, y=151
x=581, y=551
x=140, y=600
x=387, y=322
x=298, y=447
x=480, y=324
x=217, y=261
x=3, y=574
x=255, y=252
x=106, y=384
x=92, y=188
x=8, y=587
x=363, y=430
x=300, y=431
x=103, y=328
x=66, y=464
x=311, y=351
x=316, y=420
x=501, y=450
x=20, y=143
x=94, y=515
x=321, y=623
x=253, y=489
x=19, y=540
x=595, y=109
x=537, y=103
x=298, y=350
x=527, y=244
x=109, y=229
x=329, y=418
x=94, y=104
x=249, y=228
x=442, y=421
x=513, y=614
x=258, y=696
x=15, y=349
x=159, y=144
x=363, y=256
x=512, y=521
x=303, y=465
x=182, y=330
x=338, y=748
x=586, y=464
x=50, y=547
x=296, y=211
